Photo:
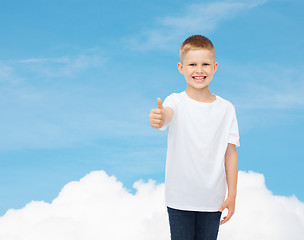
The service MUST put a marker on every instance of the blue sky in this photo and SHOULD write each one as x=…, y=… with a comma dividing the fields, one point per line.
x=78, y=80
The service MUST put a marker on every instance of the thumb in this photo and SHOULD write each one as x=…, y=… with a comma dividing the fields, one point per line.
x=159, y=103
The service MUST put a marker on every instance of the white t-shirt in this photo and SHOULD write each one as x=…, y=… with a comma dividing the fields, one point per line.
x=198, y=137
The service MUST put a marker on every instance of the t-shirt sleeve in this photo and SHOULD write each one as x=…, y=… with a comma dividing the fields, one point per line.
x=234, y=137
x=170, y=101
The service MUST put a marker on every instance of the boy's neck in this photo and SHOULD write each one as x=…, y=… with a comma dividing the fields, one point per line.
x=200, y=95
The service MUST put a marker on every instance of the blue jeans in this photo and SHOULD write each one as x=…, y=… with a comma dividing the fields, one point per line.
x=192, y=225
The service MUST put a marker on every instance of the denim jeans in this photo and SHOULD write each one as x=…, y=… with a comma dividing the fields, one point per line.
x=192, y=225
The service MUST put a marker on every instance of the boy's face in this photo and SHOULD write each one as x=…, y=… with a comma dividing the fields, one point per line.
x=198, y=67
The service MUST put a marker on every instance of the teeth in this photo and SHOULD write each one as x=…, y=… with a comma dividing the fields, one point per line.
x=200, y=78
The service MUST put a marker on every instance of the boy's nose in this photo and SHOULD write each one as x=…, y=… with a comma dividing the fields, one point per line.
x=199, y=69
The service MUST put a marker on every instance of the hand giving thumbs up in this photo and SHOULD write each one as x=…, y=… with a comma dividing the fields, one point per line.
x=157, y=116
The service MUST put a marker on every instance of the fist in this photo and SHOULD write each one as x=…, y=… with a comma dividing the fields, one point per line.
x=157, y=116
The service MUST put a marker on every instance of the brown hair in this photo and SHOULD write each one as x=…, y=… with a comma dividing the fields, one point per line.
x=196, y=42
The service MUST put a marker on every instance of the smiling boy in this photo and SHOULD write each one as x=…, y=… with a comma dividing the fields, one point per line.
x=202, y=160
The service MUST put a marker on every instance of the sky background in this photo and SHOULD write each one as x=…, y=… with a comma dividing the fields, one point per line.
x=79, y=78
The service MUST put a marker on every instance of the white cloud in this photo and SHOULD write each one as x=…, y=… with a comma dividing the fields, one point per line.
x=65, y=66
x=7, y=74
x=99, y=207
x=197, y=18
x=96, y=207
x=262, y=215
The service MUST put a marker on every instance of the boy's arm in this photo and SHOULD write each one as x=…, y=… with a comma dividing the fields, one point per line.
x=160, y=116
x=231, y=166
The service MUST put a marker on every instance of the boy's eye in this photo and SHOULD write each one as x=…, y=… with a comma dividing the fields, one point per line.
x=204, y=64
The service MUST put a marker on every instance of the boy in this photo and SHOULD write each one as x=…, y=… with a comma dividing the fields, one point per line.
x=201, y=154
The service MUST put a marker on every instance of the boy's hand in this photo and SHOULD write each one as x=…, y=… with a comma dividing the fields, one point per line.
x=230, y=205
x=158, y=116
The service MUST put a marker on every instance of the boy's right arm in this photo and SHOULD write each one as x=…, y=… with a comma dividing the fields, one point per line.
x=160, y=116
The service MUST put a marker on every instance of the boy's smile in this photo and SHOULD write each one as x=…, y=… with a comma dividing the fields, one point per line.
x=198, y=67
x=199, y=78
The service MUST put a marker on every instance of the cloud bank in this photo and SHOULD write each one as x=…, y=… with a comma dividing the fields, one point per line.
x=99, y=207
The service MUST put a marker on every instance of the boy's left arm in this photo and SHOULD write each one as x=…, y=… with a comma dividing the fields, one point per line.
x=231, y=166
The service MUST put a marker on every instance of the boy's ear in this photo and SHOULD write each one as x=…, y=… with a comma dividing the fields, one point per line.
x=180, y=68
x=215, y=66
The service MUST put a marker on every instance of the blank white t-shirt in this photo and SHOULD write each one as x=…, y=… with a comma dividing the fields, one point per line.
x=198, y=137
